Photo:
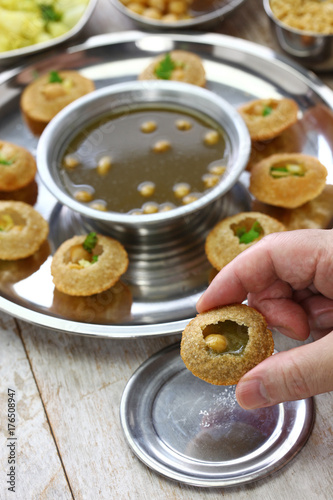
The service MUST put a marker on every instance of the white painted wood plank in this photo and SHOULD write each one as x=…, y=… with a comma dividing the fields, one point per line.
x=37, y=470
x=82, y=380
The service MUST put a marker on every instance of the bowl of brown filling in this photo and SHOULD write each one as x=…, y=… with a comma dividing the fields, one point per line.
x=143, y=155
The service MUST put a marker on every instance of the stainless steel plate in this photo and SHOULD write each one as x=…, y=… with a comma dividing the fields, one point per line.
x=196, y=433
x=158, y=294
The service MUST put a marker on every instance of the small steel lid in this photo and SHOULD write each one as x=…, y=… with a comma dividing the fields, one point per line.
x=196, y=433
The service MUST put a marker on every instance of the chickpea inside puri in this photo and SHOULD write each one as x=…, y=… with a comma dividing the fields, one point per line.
x=160, y=10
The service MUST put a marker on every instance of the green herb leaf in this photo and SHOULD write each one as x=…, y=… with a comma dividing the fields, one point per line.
x=165, y=68
x=94, y=258
x=49, y=13
x=90, y=242
x=54, y=77
x=6, y=162
x=279, y=169
x=267, y=111
x=250, y=235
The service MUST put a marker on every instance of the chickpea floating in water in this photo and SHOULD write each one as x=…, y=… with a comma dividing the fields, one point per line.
x=148, y=127
x=211, y=138
x=165, y=207
x=135, y=211
x=98, y=206
x=181, y=189
x=217, y=169
x=146, y=189
x=71, y=161
x=161, y=146
x=83, y=196
x=183, y=125
x=104, y=165
x=210, y=180
x=150, y=208
x=190, y=198
x=216, y=342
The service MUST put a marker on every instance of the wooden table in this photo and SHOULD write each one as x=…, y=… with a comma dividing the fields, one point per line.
x=68, y=389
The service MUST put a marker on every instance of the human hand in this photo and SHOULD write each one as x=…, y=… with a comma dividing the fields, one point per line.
x=288, y=277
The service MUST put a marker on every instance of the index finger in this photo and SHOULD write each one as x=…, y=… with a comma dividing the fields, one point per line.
x=287, y=261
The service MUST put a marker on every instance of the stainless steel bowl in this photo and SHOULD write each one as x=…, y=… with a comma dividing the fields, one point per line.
x=77, y=115
x=203, y=20
x=312, y=50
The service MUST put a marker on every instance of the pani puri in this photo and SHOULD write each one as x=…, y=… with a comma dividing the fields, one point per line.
x=287, y=180
x=17, y=167
x=315, y=214
x=222, y=344
x=42, y=99
x=268, y=118
x=88, y=264
x=178, y=65
x=22, y=230
x=236, y=233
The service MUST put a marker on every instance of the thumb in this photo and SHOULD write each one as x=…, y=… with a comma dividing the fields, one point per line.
x=287, y=376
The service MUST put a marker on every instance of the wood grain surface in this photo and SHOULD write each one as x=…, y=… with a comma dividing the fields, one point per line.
x=68, y=389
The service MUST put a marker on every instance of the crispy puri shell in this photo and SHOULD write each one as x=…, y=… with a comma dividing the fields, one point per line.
x=30, y=232
x=289, y=141
x=315, y=214
x=38, y=109
x=19, y=173
x=111, y=264
x=225, y=368
x=291, y=191
x=193, y=70
x=222, y=245
x=262, y=128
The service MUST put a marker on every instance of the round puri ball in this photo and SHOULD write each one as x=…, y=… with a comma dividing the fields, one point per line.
x=222, y=243
x=225, y=368
x=17, y=167
x=41, y=100
x=189, y=68
x=95, y=278
x=290, y=191
x=268, y=118
x=23, y=230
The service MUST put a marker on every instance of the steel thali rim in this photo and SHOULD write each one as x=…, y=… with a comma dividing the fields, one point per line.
x=137, y=37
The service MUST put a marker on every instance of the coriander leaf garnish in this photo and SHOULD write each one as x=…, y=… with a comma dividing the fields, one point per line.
x=49, y=13
x=267, y=111
x=249, y=236
x=3, y=161
x=287, y=170
x=54, y=77
x=165, y=68
x=90, y=242
x=94, y=258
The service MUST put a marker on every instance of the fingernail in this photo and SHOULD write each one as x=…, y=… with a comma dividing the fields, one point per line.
x=252, y=394
x=325, y=320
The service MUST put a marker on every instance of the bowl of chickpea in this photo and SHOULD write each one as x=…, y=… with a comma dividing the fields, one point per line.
x=176, y=14
x=143, y=155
